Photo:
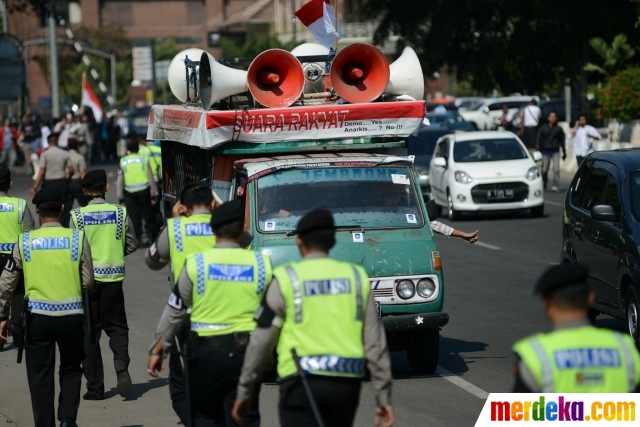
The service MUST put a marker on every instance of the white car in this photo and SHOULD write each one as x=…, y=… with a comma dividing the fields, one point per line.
x=482, y=115
x=485, y=171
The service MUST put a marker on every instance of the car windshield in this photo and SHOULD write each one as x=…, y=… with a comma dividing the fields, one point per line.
x=488, y=150
x=379, y=197
x=477, y=107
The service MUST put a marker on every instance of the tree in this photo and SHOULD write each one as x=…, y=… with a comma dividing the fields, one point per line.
x=621, y=96
x=512, y=46
x=254, y=45
x=613, y=57
x=110, y=39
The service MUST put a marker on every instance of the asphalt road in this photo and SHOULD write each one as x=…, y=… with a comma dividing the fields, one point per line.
x=488, y=296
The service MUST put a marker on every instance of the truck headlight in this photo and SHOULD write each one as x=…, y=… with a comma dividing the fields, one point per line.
x=405, y=289
x=533, y=173
x=426, y=288
x=463, y=177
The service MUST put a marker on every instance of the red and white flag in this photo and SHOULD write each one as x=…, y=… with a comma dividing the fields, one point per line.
x=89, y=99
x=320, y=18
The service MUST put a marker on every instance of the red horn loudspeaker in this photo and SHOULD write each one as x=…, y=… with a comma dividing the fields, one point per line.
x=276, y=78
x=359, y=73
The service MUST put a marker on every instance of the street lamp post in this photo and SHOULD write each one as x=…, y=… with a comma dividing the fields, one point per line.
x=53, y=54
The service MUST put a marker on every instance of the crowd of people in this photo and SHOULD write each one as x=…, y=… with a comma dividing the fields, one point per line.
x=23, y=141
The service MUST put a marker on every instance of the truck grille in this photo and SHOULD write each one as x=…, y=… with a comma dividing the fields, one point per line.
x=382, y=293
x=479, y=193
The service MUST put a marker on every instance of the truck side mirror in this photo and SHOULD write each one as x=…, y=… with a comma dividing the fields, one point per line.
x=433, y=211
x=604, y=213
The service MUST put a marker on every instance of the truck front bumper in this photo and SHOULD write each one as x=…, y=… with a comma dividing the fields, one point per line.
x=408, y=322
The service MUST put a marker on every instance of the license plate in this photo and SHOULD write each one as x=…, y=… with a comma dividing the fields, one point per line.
x=500, y=194
x=378, y=309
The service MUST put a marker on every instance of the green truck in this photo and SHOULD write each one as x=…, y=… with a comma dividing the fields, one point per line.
x=370, y=186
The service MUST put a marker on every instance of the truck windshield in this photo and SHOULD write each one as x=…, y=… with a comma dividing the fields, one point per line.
x=377, y=197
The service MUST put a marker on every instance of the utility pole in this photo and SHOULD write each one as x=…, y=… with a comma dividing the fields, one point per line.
x=53, y=53
x=5, y=19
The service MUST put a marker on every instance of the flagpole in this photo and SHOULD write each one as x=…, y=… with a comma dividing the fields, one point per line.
x=335, y=18
x=84, y=83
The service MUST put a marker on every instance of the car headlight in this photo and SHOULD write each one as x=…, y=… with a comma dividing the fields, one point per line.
x=533, y=173
x=405, y=289
x=426, y=288
x=423, y=173
x=463, y=177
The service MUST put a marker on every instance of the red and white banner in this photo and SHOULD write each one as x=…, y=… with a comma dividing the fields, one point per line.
x=320, y=18
x=327, y=122
x=89, y=99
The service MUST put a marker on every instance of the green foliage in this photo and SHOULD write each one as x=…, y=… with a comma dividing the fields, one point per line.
x=512, y=46
x=166, y=48
x=621, y=96
x=253, y=46
x=612, y=57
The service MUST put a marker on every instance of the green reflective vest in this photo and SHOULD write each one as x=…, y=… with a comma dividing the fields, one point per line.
x=581, y=360
x=51, y=266
x=134, y=169
x=228, y=285
x=104, y=226
x=325, y=303
x=155, y=160
x=11, y=212
x=188, y=235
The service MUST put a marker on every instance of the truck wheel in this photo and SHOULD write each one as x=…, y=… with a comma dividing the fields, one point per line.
x=633, y=311
x=423, y=351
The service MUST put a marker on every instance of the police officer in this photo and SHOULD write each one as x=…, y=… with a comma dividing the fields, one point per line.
x=153, y=153
x=109, y=231
x=137, y=190
x=188, y=232
x=576, y=357
x=15, y=219
x=324, y=310
x=56, y=263
x=224, y=286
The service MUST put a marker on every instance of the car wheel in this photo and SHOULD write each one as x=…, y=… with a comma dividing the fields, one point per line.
x=632, y=310
x=454, y=215
x=475, y=126
x=423, y=351
x=537, y=212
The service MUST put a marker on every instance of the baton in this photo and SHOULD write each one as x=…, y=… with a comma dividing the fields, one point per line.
x=92, y=336
x=185, y=372
x=23, y=329
x=307, y=389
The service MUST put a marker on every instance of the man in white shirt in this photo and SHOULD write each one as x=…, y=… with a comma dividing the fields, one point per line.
x=583, y=136
x=529, y=124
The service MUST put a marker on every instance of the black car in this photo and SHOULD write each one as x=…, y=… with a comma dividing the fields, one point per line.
x=422, y=147
x=602, y=230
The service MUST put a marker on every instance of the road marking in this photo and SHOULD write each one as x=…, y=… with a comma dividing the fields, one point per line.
x=465, y=385
x=488, y=246
x=554, y=203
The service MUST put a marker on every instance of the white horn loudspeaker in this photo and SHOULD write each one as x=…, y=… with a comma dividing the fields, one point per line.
x=406, y=76
x=218, y=81
x=276, y=78
x=359, y=73
x=177, y=76
x=313, y=71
